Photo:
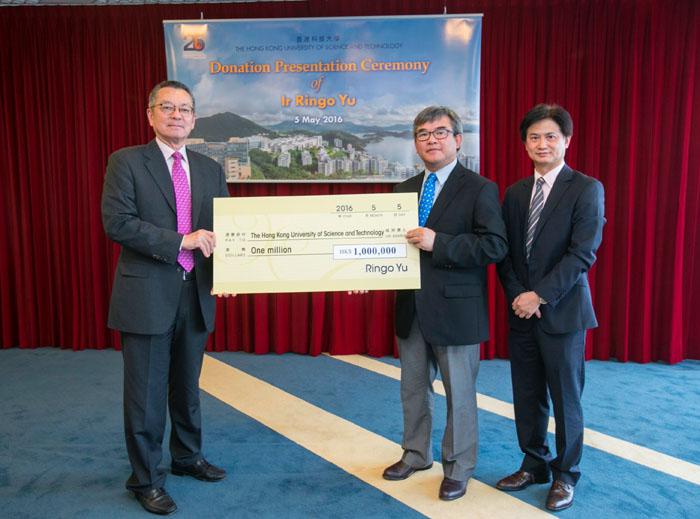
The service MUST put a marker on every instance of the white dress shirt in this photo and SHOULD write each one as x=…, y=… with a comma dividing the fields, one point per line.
x=549, y=179
x=169, y=160
x=442, y=174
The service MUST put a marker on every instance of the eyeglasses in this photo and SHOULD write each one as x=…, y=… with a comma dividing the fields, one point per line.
x=169, y=109
x=438, y=133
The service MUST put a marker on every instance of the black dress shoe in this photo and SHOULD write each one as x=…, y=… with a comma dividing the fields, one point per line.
x=401, y=470
x=201, y=469
x=520, y=480
x=156, y=501
x=560, y=496
x=452, y=489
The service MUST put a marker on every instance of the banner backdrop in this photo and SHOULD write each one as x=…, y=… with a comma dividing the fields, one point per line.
x=324, y=99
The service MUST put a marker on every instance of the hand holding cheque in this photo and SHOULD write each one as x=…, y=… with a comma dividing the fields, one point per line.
x=315, y=243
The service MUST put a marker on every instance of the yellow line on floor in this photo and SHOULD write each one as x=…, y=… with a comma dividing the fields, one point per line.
x=623, y=449
x=357, y=451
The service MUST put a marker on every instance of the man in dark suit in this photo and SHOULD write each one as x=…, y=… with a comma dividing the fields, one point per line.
x=441, y=325
x=157, y=204
x=555, y=225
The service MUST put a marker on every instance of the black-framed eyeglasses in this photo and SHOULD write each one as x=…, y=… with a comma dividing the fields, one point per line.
x=169, y=109
x=438, y=133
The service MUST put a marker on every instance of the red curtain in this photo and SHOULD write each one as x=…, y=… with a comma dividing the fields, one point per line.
x=73, y=88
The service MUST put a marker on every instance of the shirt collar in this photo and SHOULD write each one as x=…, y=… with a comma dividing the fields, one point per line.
x=167, y=151
x=442, y=173
x=551, y=176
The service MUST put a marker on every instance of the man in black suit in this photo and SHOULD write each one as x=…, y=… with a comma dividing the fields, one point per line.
x=442, y=324
x=555, y=225
x=157, y=204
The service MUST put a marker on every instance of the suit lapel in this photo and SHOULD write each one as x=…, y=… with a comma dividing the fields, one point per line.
x=454, y=183
x=524, y=193
x=555, y=195
x=158, y=169
x=196, y=187
x=416, y=183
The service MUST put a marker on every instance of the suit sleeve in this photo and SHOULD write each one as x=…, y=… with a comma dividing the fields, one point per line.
x=121, y=218
x=223, y=185
x=486, y=243
x=511, y=285
x=586, y=234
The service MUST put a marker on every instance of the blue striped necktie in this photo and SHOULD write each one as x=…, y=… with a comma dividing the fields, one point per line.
x=426, y=199
x=535, y=210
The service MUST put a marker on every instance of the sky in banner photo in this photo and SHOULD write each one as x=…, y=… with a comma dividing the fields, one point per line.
x=327, y=99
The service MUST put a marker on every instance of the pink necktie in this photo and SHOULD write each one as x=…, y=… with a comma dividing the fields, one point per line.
x=183, y=203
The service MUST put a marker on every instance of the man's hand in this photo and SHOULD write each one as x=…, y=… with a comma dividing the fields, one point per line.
x=526, y=305
x=201, y=239
x=421, y=237
x=222, y=295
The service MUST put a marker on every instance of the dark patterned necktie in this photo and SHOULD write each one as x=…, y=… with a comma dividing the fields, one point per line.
x=535, y=210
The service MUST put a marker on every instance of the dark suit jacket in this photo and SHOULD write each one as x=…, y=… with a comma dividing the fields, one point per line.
x=566, y=239
x=138, y=212
x=451, y=305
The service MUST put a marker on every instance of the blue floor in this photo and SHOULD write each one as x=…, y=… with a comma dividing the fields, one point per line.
x=62, y=453
x=639, y=403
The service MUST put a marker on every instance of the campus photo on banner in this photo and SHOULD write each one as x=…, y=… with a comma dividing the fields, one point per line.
x=325, y=99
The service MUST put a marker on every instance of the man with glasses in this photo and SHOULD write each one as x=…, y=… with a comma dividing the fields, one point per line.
x=441, y=325
x=157, y=203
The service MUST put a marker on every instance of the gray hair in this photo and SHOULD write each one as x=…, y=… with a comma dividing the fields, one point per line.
x=168, y=84
x=431, y=113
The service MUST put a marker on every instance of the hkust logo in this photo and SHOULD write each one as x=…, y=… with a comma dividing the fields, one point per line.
x=195, y=44
x=194, y=37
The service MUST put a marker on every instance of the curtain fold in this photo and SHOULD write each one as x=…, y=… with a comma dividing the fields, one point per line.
x=73, y=89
